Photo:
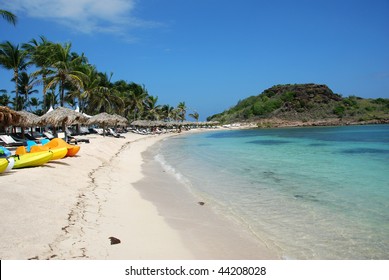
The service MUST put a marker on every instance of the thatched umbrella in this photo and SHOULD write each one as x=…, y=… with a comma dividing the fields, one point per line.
x=8, y=116
x=27, y=120
x=103, y=119
x=145, y=123
x=120, y=120
x=62, y=117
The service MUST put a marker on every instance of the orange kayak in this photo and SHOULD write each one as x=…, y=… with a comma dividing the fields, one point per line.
x=59, y=143
x=55, y=143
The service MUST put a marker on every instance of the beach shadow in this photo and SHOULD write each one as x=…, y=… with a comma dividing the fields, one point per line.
x=8, y=173
x=58, y=163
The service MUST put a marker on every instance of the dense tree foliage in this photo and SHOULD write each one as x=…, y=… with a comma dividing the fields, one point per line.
x=59, y=76
x=304, y=102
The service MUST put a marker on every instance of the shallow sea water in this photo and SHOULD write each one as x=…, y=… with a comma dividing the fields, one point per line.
x=310, y=193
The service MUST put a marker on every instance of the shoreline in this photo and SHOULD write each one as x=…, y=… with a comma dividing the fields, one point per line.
x=282, y=123
x=208, y=234
x=69, y=209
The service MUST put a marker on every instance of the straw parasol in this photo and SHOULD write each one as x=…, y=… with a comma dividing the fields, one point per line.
x=62, y=116
x=27, y=119
x=103, y=119
x=8, y=116
x=120, y=120
x=145, y=123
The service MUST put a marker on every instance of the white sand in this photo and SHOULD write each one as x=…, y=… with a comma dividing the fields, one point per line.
x=69, y=208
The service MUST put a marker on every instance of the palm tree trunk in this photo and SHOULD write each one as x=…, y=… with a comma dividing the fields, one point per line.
x=44, y=92
x=16, y=75
x=62, y=92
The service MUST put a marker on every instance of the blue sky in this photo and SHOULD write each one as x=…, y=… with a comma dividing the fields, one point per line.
x=212, y=53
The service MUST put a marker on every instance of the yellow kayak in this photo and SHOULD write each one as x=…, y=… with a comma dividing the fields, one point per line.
x=3, y=164
x=32, y=159
x=58, y=153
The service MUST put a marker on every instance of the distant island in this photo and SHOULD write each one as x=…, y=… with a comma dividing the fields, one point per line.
x=305, y=105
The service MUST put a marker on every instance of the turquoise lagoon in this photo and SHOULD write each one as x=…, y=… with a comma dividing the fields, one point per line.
x=309, y=193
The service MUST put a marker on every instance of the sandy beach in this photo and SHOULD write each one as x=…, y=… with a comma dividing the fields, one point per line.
x=70, y=208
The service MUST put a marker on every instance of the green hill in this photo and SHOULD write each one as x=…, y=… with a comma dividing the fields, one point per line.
x=305, y=104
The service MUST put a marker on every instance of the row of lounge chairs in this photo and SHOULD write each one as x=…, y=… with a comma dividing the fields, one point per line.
x=17, y=139
x=153, y=131
x=108, y=132
x=7, y=140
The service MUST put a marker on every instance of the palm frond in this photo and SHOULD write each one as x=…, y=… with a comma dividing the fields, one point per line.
x=8, y=16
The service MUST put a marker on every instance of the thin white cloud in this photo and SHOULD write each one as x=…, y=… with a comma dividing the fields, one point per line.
x=86, y=16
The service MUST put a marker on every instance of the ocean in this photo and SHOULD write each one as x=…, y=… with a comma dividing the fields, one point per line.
x=308, y=193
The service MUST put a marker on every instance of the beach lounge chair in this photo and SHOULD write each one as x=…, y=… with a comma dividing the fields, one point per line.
x=9, y=141
x=49, y=135
x=30, y=137
x=73, y=140
x=37, y=135
x=114, y=134
x=99, y=131
x=18, y=139
x=84, y=130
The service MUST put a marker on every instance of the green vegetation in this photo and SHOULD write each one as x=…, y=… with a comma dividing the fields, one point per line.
x=63, y=77
x=304, y=103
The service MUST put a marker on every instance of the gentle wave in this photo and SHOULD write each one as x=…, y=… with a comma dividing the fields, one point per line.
x=171, y=170
x=313, y=193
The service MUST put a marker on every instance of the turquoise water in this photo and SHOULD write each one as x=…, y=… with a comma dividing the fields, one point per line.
x=310, y=193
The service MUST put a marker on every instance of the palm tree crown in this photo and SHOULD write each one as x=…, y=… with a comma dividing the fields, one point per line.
x=13, y=58
x=8, y=16
x=63, y=64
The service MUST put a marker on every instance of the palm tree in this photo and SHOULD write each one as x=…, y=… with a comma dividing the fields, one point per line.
x=152, y=109
x=35, y=102
x=5, y=100
x=181, y=110
x=64, y=72
x=104, y=100
x=135, y=99
x=195, y=115
x=99, y=94
x=25, y=83
x=167, y=112
x=51, y=99
x=19, y=102
x=39, y=54
x=12, y=58
x=92, y=85
x=8, y=16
